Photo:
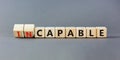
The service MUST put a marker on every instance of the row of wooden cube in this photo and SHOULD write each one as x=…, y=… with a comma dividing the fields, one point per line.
x=30, y=31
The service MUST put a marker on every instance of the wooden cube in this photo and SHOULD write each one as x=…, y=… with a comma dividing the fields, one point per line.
x=80, y=32
x=18, y=30
x=91, y=32
x=49, y=32
x=101, y=32
x=60, y=32
x=39, y=32
x=29, y=30
x=70, y=32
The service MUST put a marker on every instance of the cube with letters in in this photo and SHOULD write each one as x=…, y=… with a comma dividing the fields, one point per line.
x=29, y=30
x=18, y=30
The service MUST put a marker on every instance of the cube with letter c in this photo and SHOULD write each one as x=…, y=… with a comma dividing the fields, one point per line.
x=39, y=32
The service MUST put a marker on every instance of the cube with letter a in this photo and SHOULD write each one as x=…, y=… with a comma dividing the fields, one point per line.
x=29, y=30
x=18, y=30
x=70, y=32
x=49, y=32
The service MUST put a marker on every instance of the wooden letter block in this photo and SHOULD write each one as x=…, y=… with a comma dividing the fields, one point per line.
x=60, y=32
x=18, y=30
x=49, y=32
x=70, y=32
x=80, y=32
x=91, y=32
x=101, y=32
x=39, y=32
x=29, y=30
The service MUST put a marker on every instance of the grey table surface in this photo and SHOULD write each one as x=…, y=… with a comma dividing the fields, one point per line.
x=60, y=13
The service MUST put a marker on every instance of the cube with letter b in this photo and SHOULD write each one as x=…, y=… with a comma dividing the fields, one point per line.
x=80, y=32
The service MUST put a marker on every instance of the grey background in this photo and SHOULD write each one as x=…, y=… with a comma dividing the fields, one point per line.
x=60, y=13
